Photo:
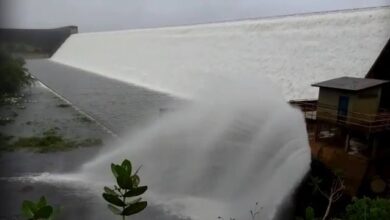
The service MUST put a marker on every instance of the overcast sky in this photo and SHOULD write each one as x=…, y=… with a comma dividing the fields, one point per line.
x=100, y=15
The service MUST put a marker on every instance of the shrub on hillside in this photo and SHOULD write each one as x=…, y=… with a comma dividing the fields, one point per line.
x=13, y=75
x=368, y=209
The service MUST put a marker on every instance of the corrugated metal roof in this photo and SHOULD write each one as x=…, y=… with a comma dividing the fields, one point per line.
x=351, y=83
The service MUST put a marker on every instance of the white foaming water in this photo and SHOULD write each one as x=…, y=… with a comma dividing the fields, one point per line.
x=51, y=178
x=293, y=51
x=235, y=144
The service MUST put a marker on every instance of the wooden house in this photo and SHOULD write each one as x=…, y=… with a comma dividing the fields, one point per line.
x=353, y=102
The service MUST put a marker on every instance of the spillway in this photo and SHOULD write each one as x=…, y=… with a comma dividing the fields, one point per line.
x=237, y=142
x=293, y=51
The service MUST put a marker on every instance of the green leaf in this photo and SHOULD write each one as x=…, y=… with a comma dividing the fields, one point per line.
x=124, y=182
x=134, y=208
x=56, y=212
x=44, y=212
x=120, y=171
x=28, y=209
x=135, y=179
x=309, y=213
x=136, y=192
x=126, y=164
x=113, y=170
x=41, y=203
x=110, y=191
x=114, y=209
x=113, y=200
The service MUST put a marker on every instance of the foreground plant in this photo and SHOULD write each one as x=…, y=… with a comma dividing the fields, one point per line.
x=368, y=209
x=127, y=187
x=39, y=210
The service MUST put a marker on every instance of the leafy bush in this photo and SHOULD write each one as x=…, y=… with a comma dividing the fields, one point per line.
x=368, y=209
x=128, y=186
x=13, y=75
x=39, y=210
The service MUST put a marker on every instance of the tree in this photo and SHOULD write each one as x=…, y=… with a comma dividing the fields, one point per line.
x=335, y=193
x=13, y=74
x=127, y=187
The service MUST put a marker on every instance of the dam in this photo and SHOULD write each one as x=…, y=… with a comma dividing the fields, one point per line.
x=293, y=52
x=239, y=134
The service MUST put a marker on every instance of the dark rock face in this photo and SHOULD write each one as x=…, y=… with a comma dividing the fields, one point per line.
x=380, y=70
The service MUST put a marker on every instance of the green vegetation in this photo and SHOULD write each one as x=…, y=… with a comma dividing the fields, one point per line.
x=128, y=187
x=360, y=209
x=50, y=141
x=46, y=143
x=37, y=211
x=63, y=105
x=13, y=75
x=368, y=209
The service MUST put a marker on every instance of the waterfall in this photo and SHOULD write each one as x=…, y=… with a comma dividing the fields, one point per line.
x=236, y=144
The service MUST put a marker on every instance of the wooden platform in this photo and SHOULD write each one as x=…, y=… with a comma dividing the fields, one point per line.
x=353, y=167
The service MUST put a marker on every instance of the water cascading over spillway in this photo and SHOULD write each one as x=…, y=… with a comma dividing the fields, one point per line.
x=292, y=51
x=235, y=144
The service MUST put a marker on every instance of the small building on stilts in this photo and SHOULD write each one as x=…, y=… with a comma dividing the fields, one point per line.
x=354, y=108
x=349, y=127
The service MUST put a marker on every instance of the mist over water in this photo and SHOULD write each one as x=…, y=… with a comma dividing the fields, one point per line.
x=235, y=144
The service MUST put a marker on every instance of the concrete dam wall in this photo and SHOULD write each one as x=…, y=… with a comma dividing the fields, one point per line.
x=292, y=51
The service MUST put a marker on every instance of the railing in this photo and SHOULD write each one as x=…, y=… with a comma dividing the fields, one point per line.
x=371, y=122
